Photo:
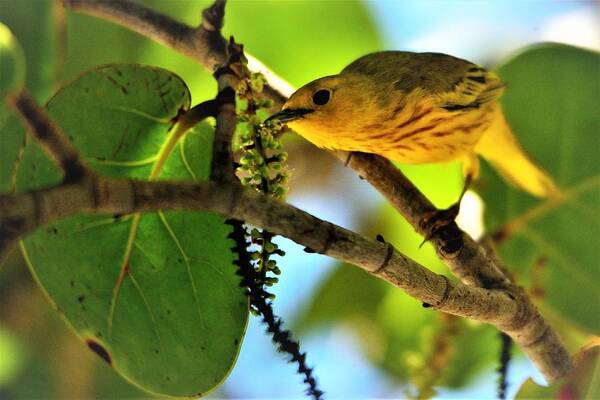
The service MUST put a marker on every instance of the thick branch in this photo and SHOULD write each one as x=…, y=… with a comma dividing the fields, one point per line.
x=511, y=313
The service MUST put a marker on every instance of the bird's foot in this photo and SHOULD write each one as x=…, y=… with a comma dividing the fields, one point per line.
x=441, y=223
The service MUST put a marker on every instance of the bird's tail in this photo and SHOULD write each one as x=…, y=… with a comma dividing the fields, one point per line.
x=499, y=146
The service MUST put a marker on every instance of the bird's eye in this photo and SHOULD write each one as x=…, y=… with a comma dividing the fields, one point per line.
x=321, y=97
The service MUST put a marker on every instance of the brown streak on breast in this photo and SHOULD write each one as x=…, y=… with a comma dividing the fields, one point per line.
x=380, y=135
x=404, y=147
x=417, y=115
x=475, y=126
x=373, y=127
x=467, y=129
x=417, y=131
x=423, y=146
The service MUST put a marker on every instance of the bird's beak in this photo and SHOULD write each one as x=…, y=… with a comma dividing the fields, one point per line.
x=289, y=114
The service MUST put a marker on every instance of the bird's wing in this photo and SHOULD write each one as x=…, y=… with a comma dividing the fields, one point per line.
x=455, y=84
x=475, y=87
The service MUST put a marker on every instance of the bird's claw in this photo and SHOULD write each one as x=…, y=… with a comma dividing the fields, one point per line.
x=441, y=223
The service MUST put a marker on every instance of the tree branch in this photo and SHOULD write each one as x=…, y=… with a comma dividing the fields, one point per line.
x=510, y=311
x=470, y=262
x=212, y=17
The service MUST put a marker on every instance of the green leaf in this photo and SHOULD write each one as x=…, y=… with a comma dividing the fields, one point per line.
x=155, y=295
x=12, y=361
x=552, y=105
x=583, y=382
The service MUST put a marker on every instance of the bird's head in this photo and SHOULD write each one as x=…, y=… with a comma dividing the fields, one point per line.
x=323, y=107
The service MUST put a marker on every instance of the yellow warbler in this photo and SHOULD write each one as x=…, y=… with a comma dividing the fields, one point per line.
x=415, y=108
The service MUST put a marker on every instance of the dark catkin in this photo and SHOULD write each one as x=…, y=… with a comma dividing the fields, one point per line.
x=259, y=303
x=505, y=356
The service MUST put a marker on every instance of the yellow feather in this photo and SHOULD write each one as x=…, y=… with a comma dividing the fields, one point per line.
x=415, y=108
x=500, y=147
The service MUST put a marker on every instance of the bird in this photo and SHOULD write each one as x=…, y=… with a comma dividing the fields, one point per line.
x=416, y=108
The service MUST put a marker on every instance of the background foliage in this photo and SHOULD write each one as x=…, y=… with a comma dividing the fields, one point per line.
x=348, y=314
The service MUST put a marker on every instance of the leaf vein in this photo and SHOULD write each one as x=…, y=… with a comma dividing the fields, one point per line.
x=186, y=259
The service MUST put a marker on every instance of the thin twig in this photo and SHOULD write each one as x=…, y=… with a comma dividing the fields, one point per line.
x=212, y=17
x=196, y=114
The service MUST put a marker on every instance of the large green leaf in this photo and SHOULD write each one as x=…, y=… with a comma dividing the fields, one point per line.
x=155, y=295
x=552, y=104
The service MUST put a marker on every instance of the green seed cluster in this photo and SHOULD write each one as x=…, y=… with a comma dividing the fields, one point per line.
x=261, y=166
x=262, y=258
